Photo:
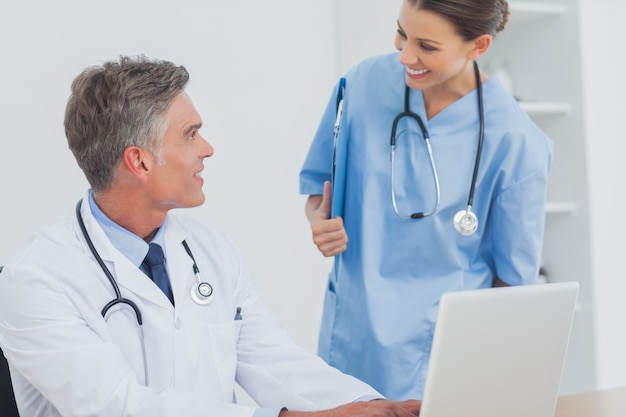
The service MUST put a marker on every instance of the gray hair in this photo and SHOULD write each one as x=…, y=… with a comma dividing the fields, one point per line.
x=116, y=105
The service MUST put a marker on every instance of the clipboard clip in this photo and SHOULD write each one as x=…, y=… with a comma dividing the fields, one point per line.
x=340, y=92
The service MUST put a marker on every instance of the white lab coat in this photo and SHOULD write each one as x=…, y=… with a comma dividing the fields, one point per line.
x=67, y=360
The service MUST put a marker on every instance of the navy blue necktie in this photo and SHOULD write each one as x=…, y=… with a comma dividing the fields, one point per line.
x=154, y=266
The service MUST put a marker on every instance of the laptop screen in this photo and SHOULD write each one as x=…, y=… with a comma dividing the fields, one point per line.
x=500, y=352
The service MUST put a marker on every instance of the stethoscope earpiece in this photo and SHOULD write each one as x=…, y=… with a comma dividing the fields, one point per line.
x=465, y=222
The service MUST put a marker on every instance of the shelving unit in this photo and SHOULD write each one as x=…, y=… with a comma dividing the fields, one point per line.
x=546, y=108
x=536, y=9
x=539, y=53
x=560, y=208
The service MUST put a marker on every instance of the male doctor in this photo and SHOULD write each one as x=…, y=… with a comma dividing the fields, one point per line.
x=91, y=328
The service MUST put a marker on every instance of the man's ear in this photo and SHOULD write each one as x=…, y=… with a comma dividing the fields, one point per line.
x=137, y=161
x=480, y=45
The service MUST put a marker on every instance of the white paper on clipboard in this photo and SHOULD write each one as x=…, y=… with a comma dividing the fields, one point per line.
x=340, y=155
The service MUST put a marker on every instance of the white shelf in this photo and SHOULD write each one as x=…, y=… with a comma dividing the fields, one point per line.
x=560, y=208
x=535, y=8
x=545, y=107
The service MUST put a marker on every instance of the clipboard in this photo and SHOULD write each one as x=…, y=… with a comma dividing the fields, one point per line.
x=340, y=155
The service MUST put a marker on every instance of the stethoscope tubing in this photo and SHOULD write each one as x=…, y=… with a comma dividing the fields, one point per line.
x=118, y=294
x=408, y=113
x=481, y=135
x=464, y=214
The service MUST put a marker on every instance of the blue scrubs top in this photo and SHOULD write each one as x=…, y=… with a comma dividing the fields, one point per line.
x=380, y=311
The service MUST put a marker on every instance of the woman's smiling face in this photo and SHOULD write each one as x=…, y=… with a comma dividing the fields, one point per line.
x=430, y=48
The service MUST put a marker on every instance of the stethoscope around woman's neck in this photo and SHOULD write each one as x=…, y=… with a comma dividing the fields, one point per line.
x=465, y=221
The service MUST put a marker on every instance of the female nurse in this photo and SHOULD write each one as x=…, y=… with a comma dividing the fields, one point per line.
x=381, y=303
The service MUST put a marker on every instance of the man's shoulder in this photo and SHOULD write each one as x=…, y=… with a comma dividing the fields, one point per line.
x=57, y=236
x=54, y=246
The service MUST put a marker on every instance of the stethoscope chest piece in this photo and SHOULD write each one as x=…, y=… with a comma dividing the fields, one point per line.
x=202, y=293
x=465, y=222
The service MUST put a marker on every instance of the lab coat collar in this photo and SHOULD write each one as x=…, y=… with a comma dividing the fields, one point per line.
x=128, y=275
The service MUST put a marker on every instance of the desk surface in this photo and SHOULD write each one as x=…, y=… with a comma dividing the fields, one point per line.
x=607, y=403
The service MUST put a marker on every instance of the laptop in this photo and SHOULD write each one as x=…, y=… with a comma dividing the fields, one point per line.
x=500, y=352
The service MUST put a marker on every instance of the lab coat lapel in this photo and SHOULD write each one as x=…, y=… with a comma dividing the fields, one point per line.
x=179, y=263
x=127, y=275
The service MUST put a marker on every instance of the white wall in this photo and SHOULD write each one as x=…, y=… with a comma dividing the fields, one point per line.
x=261, y=73
x=364, y=28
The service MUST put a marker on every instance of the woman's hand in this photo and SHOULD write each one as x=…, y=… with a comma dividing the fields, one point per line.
x=329, y=235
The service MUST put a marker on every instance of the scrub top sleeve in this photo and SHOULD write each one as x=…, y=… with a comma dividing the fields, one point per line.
x=317, y=166
x=517, y=230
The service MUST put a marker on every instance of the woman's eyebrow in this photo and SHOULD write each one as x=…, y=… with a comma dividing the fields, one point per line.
x=419, y=39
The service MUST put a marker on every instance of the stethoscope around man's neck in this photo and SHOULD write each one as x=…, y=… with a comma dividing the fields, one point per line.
x=465, y=221
x=201, y=292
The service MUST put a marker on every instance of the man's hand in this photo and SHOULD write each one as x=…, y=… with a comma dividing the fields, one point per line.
x=377, y=408
x=329, y=234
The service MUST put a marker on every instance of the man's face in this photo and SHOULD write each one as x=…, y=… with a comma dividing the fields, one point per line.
x=177, y=182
